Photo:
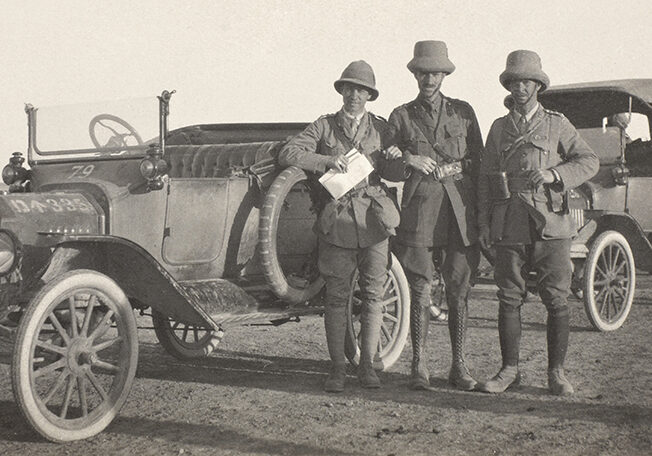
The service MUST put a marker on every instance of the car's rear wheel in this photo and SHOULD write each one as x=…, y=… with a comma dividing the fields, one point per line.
x=395, y=324
x=185, y=341
x=609, y=281
x=75, y=356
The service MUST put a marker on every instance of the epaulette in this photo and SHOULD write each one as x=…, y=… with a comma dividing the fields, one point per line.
x=553, y=113
x=326, y=116
x=377, y=117
x=405, y=105
x=497, y=122
x=456, y=101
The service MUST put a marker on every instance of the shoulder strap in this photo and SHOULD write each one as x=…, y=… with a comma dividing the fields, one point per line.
x=418, y=121
x=555, y=129
x=519, y=141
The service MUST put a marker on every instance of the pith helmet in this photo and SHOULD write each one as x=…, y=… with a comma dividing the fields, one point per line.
x=523, y=64
x=431, y=57
x=360, y=73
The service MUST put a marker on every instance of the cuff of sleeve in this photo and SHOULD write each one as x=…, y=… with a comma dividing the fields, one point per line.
x=407, y=171
x=555, y=173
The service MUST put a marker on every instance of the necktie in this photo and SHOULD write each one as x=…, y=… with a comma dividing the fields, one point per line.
x=354, y=126
x=522, y=125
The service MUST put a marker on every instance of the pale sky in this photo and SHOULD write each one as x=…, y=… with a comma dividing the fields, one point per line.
x=275, y=61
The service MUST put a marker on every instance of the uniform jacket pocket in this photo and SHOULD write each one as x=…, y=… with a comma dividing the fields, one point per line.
x=385, y=212
x=333, y=147
x=454, y=143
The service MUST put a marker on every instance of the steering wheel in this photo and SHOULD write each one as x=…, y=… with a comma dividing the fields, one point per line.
x=117, y=138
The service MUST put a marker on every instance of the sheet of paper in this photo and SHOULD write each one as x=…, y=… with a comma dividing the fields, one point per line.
x=358, y=169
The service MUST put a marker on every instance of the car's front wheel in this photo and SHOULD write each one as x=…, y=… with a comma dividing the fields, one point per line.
x=75, y=356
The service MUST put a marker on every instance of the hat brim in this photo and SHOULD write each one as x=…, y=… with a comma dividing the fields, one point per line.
x=372, y=90
x=540, y=77
x=430, y=65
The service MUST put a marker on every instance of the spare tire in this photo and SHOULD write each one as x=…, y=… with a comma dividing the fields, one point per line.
x=286, y=215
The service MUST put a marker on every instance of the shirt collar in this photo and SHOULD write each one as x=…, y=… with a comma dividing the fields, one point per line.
x=430, y=105
x=528, y=116
x=357, y=118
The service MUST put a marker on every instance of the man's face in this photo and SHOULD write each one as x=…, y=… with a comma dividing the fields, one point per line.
x=524, y=90
x=429, y=83
x=354, y=97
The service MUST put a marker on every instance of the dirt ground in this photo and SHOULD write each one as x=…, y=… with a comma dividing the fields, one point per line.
x=261, y=394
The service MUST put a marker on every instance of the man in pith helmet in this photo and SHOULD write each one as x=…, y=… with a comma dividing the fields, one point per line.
x=533, y=157
x=353, y=230
x=442, y=146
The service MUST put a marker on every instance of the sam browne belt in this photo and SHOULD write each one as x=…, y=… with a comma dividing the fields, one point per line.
x=447, y=169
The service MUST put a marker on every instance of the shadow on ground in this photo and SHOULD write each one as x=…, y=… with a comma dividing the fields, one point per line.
x=306, y=376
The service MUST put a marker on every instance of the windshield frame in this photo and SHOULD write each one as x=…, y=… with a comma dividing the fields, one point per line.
x=35, y=156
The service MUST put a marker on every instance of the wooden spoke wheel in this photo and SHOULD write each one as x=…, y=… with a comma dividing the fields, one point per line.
x=609, y=281
x=75, y=356
x=185, y=341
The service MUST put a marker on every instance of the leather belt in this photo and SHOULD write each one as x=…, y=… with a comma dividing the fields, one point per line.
x=447, y=170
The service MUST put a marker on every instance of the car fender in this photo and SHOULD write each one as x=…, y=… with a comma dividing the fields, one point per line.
x=144, y=280
x=628, y=227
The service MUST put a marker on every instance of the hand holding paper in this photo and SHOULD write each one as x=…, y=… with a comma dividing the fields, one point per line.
x=358, y=168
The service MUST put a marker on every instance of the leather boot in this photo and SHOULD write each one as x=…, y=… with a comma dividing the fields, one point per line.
x=419, y=321
x=509, y=331
x=370, y=320
x=336, y=377
x=335, y=323
x=459, y=375
x=558, y=384
x=506, y=377
x=557, y=333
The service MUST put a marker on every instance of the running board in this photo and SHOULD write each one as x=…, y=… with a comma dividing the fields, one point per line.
x=267, y=315
x=245, y=301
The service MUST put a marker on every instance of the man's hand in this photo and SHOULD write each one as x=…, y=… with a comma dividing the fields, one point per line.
x=392, y=153
x=484, y=237
x=338, y=163
x=421, y=163
x=539, y=177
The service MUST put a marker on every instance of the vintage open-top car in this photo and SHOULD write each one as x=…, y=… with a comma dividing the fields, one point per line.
x=118, y=213
x=612, y=210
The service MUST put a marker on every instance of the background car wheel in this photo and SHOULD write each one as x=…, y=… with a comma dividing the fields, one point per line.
x=609, y=281
x=185, y=341
x=75, y=356
x=395, y=324
x=288, y=200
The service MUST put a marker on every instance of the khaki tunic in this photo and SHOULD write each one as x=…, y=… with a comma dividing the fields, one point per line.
x=453, y=128
x=366, y=215
x=551, y=142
